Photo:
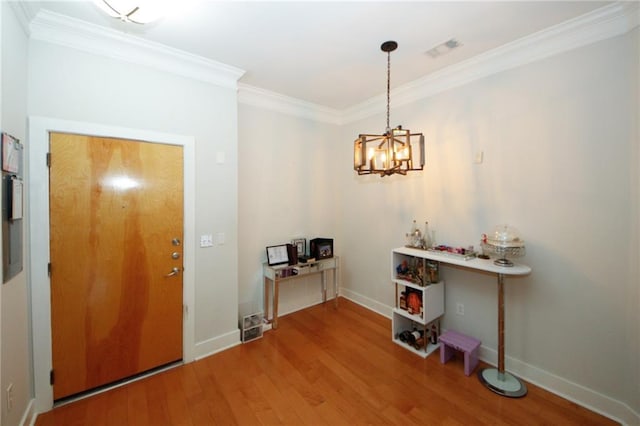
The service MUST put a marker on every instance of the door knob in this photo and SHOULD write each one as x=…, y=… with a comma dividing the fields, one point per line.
x=174, y=271
x=175, y=255
x=175, y=241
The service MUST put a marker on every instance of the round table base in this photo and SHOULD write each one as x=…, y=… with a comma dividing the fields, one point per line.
x=505, y=384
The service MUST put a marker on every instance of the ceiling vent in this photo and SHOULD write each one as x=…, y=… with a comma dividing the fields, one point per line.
x=444, y=48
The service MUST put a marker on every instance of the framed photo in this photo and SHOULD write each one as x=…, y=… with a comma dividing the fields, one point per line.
x=277, y=255
x=301, y=245
x=321, y=248
x=11, y=154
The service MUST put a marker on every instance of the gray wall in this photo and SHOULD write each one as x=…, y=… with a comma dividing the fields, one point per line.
x=15, y=335
x=560, y=145
x=286, y=190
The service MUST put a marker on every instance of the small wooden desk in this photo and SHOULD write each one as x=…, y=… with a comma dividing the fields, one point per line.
x=273, y=275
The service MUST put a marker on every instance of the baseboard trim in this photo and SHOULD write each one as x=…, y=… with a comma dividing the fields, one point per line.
x=226, y=341
x=267, y=326
x=292, y=309
x=367, y=302
x=217, y=344
x=581, y=395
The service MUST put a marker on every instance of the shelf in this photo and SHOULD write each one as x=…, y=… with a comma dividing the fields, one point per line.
x=251, y=334
x=407, y=315
x=432, y=302
x=286, y=272
x=410, y=284
x=401, y=321
x=251, y=326
x=252, y=320
x=479, y=264
x=420, y=352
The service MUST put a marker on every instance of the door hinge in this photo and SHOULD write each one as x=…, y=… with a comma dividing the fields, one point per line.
x=48, y=159
x=51, y=377
x=49, y=269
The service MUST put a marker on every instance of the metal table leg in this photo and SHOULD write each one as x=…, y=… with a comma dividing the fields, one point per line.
x=323, y=280
x=498, y=380
x=266, y=299
x=276, y=290
x=335, y=284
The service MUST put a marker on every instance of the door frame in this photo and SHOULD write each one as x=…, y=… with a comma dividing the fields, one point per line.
x=37, y=184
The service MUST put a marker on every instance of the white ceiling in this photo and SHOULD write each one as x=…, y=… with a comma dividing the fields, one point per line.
x=328, y=52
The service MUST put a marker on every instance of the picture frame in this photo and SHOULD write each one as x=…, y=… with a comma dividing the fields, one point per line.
x=11, y=154
x=301, y=245
x=321, y=248
x=277, y=255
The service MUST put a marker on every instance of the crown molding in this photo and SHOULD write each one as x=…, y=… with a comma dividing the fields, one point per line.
x=606, y=22
x=24, y=13
x=58, y=29
x=266, y=99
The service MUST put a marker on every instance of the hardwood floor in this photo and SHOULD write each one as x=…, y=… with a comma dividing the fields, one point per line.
x=323, y=366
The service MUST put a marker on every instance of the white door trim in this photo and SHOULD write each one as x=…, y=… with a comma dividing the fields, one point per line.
x=37, y=184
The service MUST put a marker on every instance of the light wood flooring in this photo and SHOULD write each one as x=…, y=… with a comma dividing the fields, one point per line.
x=323, y=366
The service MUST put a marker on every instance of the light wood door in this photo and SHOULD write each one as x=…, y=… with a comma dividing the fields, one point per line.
x=116, y=230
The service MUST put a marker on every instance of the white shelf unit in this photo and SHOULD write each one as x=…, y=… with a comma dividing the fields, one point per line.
x=251, y=327
x=431, y=297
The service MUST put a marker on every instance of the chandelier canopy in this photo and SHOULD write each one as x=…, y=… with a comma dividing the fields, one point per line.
x=396, y=150
x=136, y=11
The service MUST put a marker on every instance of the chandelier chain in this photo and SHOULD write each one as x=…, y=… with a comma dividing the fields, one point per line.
x=388, y=87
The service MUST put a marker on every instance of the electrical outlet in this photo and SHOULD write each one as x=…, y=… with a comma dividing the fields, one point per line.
x=10, y=397
x=459, y=309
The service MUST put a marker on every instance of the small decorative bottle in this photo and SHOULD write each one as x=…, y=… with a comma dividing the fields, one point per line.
x=420, y=342
x=412, y=234
x=417, y=236
x=417, y=338
x=410, y=337
x=403, y=301
x=427, y=237
x=432, y=271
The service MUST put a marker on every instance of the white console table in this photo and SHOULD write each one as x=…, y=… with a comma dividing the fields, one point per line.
x=273, y=275
x=497, y=380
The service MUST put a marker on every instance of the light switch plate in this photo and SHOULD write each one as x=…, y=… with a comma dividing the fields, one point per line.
x=220, y=238
x=206, y=240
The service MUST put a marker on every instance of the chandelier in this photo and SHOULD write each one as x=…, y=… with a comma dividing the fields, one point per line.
x=396, y=150
x=136, y=11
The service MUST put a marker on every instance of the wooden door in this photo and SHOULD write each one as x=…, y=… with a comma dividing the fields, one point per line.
x=116, y=230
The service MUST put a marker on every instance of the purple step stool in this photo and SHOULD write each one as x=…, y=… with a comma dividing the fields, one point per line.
x=451, y=341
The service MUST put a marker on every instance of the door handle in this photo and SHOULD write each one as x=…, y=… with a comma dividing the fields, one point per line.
x=174, y=271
